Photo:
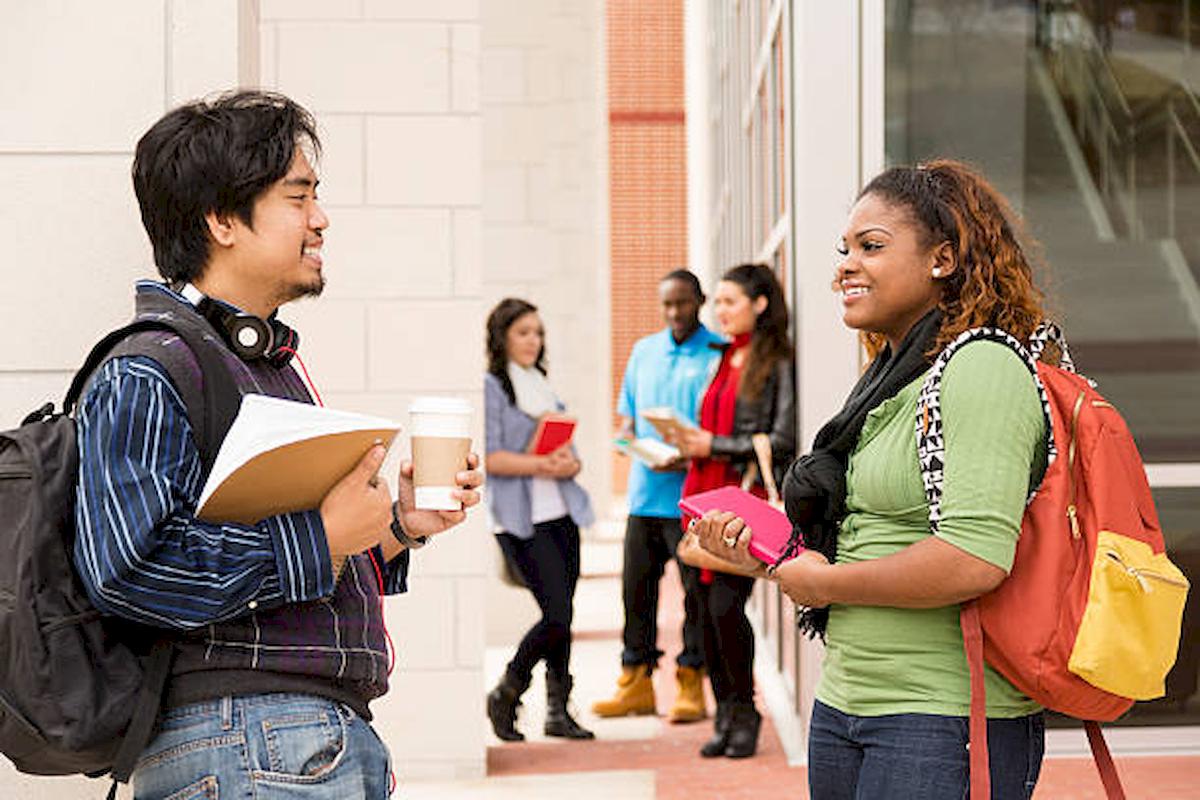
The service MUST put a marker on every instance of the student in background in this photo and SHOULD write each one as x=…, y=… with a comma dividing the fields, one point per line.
x=666, y=369
x=537, y=508
x=753, y=392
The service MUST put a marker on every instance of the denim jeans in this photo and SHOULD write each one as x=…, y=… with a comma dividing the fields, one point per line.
x=917, y=755
x=266, y=746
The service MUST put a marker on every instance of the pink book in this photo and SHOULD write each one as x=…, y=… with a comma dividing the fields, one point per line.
x=770, y=528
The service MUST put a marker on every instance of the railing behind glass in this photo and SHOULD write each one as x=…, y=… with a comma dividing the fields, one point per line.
x=1101, y=115
x=1180, y=121
x=1145, y=161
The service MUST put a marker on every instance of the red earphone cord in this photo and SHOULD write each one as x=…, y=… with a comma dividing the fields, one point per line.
x=371, y=553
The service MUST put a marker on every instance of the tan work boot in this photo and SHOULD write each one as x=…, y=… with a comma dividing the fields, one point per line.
x=635, y=694
x=689, y=702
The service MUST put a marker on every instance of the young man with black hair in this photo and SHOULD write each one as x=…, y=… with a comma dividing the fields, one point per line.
x=277, y=653
x=669, y=368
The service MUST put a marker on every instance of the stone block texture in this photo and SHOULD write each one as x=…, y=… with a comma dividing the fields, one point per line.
x=545, y=197
x=395, y=88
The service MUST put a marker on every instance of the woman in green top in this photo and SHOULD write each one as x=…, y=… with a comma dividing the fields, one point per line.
x=928, y=253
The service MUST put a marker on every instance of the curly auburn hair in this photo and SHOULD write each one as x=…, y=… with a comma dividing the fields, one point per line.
x=993, y=284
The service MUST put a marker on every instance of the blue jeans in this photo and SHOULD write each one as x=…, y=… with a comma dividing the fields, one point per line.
x=917, y=755
x=265, y=746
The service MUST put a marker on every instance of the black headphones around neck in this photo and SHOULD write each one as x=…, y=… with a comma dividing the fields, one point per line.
x=250, y=337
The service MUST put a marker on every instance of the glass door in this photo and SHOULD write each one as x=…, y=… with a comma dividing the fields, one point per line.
x=1084, y=115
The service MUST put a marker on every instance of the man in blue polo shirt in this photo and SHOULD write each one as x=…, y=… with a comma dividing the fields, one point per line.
x=669, y=368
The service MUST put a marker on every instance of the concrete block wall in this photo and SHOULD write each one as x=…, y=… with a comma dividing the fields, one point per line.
x=82, y=81
x=444, y=193
x=73, y=240
x=545, y=221
x=545, y=208
x=395, y=89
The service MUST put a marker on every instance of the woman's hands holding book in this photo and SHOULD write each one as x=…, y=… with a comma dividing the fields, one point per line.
x=559, y=464
x=692, y=442
x=802, y=579
x=726, y=536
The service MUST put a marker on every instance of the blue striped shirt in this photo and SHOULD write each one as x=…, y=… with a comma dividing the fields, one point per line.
x=140, y=550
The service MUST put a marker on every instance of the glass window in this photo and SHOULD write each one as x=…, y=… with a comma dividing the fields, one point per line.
x=779, y=87
x=751, y=205
x=1083, y=114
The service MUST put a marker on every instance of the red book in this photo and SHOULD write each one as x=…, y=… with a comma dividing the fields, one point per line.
x=770, y=528
x=553, y=431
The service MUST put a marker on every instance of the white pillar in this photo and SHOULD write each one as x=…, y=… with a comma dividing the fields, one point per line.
x=837, y=113
x=697, y=89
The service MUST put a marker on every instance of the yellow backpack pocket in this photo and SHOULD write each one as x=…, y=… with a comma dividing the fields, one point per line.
x=1129, y=634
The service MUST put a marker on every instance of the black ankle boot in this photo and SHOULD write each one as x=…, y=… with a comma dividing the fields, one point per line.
x=720, y=740
x=502, y=705
x=744, y=724
x=559, y=721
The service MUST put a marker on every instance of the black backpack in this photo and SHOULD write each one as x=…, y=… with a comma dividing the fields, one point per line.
x=80, y=691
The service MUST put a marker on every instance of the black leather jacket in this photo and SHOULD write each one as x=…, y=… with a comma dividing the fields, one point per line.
x=773, y=412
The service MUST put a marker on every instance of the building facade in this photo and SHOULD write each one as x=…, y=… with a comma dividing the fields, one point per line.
x=468, y=158
x=465, y=160
x=1082, y=113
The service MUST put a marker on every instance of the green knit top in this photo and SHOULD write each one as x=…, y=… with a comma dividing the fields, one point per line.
x=911, y=661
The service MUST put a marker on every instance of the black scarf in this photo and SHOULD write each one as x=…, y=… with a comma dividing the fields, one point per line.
x=814, y=489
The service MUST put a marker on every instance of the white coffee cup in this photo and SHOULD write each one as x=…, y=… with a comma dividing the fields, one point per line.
x=441, y=439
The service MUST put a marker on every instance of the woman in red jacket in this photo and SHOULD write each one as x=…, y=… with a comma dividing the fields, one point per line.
x=753, y=392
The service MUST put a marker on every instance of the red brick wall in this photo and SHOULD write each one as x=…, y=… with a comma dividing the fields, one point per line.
x=647, y=170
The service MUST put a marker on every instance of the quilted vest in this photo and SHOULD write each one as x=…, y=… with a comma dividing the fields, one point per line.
x=333, y=647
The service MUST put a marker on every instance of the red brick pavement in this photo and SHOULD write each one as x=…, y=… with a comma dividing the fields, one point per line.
x=681, y=773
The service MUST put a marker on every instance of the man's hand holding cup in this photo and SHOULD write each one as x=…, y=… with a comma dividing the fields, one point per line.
x=443, y=478
x=418, y=521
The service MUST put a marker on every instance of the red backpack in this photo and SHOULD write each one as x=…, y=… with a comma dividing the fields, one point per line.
x=1102, y=628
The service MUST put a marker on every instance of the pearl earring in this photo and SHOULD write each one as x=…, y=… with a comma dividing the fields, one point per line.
x=937, y=272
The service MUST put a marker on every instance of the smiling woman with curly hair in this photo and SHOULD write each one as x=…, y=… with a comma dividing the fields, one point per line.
x=929, y=252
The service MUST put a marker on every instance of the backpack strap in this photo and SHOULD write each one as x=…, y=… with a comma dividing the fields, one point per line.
x=980, y=769
x=1104, y=762
x=145, y=714
x=1050, y=333
x=210, y=407
x=931, y=455
x=931, y=443
x=99, y=353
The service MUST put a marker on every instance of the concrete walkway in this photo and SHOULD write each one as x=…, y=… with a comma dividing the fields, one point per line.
x=646, y=758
